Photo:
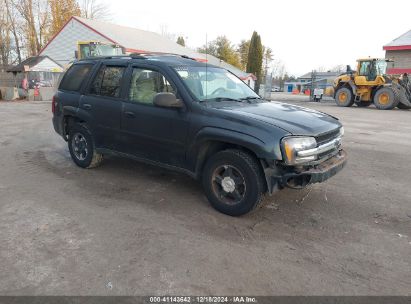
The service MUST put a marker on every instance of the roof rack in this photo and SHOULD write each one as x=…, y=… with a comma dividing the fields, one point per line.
x=115, y=57
x=137, y=56
x=144, y=55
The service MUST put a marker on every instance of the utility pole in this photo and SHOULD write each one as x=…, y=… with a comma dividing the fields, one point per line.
x=313, y=79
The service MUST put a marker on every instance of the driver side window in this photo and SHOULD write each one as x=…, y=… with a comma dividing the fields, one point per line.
x=145, y=84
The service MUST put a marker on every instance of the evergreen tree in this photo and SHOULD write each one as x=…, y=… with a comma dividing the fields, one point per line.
x=181, y=41
x=255, y=58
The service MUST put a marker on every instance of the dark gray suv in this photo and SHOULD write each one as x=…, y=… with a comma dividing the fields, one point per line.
x=196, y=118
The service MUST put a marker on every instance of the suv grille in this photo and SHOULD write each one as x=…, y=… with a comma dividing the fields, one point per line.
x=324, y=138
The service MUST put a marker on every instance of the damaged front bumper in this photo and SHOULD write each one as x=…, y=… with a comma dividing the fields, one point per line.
x=298, y=178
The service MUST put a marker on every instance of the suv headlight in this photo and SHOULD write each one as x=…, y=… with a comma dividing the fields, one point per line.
x=293, y=144
x=342, y=131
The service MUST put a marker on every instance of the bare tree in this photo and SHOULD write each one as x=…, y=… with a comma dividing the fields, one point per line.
x=5, y=41
x=35, y=22
x=13, y=27
x=164, y=32
x=278, y=68
x=338, y=68
x=94, y=9
x=268, y=57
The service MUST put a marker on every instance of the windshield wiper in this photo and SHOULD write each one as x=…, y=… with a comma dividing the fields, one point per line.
x=223, y=99
x=250, y=97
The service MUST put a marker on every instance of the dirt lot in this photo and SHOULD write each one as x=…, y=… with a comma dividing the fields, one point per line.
x=128, y=228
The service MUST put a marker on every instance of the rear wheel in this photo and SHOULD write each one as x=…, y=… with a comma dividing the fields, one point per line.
x=385, y=99
x=81, y=146
x=233, y=182
x=344, y=97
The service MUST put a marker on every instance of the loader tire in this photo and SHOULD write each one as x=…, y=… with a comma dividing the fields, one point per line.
x=384, y=99
x=403, y=106
x=344, y=97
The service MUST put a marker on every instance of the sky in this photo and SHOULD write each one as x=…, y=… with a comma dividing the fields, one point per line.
x=304, y=35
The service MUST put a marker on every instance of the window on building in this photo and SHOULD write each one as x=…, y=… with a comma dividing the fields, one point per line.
x=108, y=81
x=145, y=84
x=75, y=76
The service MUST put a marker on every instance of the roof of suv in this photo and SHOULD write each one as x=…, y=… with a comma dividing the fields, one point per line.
x=167, y=59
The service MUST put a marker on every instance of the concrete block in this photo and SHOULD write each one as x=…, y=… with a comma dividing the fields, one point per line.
x=46, y=93
x=11, y=94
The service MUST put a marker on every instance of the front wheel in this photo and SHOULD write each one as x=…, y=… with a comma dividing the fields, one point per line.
x=233, y=182
x=81, y=146
x=344, y=97
x=384, y=99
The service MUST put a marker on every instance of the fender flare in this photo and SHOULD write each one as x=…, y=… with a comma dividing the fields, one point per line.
x=349, y=84
x=76, y=113
x=196, y=154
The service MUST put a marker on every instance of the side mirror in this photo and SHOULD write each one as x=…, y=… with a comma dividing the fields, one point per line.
x=76, y=54
x=167, y=100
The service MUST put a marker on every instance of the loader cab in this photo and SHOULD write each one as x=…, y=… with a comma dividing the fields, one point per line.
x=371, y=68
x=87, y=49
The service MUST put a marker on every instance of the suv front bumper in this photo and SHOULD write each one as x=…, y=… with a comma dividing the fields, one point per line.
x=297, y=178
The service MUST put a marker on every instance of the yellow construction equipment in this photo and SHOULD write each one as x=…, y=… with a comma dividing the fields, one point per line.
x=96, y=48
x=370, y=84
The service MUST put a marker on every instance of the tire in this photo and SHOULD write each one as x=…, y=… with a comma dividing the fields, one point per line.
x=344, y=97
x=403, y=106
x=363, y=104
x=233, y=182
x=384, y=99
x=81, y=146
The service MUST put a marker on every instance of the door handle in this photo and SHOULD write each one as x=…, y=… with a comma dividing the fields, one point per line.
x=87, y=106
x=130, y=114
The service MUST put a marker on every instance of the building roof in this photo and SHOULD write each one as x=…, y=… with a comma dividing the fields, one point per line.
x=140, y=41
x=32, y=62
x=136, y=40
x=320, y=75
x=401, y=43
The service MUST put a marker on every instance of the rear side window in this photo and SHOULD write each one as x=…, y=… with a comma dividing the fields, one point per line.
x=108, y=81
x=75, y=76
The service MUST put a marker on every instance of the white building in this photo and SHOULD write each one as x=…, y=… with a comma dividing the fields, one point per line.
x=61, y=48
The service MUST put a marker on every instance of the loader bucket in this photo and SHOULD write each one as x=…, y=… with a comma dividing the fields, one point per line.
x=402, y=91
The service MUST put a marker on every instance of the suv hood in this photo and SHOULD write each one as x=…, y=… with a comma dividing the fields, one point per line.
x=293, y=119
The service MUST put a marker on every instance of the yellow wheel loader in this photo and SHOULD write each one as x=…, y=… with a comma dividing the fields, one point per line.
x=96, y=48
x=369, y=84
x=87, y=49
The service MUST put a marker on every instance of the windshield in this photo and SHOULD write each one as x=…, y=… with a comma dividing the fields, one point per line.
x=214, y=83
x=381, y=67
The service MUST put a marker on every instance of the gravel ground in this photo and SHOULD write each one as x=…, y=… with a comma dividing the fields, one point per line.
x=131, y=229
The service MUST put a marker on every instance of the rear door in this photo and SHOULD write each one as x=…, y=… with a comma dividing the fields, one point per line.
x=152, y=132
x=103, y=102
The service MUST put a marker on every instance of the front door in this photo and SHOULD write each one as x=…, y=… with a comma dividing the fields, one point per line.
x=152, y=132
